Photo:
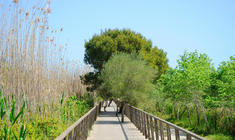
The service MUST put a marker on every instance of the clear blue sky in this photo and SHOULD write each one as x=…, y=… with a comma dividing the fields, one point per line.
x=174, y=26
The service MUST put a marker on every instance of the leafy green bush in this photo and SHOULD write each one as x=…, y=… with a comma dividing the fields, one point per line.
x=127, y=78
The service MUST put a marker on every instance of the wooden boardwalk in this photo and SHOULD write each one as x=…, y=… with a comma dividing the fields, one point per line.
x=109, y=127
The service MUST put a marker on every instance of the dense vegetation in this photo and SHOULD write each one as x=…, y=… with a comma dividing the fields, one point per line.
x=100, y=48
x=34, y=74
x=46, y=122
x=197, y=96
x=193, y=95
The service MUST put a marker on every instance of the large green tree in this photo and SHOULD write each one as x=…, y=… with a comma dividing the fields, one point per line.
x=101, y=47
x=127, y=78
x=186, y=84
x=226, y=83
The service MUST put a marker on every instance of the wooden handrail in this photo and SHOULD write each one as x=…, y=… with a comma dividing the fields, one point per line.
x=153, y=127
x=79, y=130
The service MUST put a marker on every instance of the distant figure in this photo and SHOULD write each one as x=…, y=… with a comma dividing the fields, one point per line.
x=110, y=102
x=106, y=104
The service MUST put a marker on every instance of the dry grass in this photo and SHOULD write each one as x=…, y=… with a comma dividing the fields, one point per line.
x=31, y=62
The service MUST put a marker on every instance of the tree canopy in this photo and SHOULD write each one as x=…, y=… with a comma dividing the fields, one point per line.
x=223, y=85
x=101, y=47
x=127, y=78
x=190, y=78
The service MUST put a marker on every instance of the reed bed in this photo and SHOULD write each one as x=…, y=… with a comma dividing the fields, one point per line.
x=31, y=62
x=41, y=93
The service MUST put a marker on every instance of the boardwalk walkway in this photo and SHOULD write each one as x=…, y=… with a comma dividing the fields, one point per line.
x=109, y=127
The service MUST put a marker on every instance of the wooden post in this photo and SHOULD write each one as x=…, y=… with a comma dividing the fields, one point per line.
x=123, y=109
x=75, y=135
x=131, y=116
x=141, y=125
x=82, y=130
x=168, y=132
x=148, y=128
x=99, y=108
x=70, y=135
x=86, y=127
x=188, y=137
x=135, y=117
x=177, y=135
x=145, y=125
x=151, y=127
x=161, y=130
x=156, y=129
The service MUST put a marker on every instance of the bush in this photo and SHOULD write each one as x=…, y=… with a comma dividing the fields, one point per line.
x=127, y=78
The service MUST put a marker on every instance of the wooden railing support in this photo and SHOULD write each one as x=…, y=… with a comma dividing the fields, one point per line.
x=150, y=125
x=123, y=111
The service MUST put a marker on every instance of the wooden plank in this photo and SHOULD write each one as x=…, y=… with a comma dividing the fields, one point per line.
x=168, y=132
x=156, y=129
x=177, y=134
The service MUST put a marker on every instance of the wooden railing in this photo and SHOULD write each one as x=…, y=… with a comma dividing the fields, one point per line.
x=79, y=130
x=153, y=127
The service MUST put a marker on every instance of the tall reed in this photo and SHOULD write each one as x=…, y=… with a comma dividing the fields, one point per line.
x=31, y=62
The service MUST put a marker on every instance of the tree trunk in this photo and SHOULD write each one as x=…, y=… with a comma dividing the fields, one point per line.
x=175, y=112
x=178, y=113
x=205, y=118
x=215, y=120
x=188, y=115
x=198, y=117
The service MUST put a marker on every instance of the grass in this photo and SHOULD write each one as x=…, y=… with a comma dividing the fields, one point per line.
x=219, y=137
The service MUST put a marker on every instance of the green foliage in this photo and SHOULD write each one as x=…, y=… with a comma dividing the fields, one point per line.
x=100, y=48
x=2, y=105
x=196, y=96
x=226, y=83
x=41, y=123
x=188, y=81
x=126, y=77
